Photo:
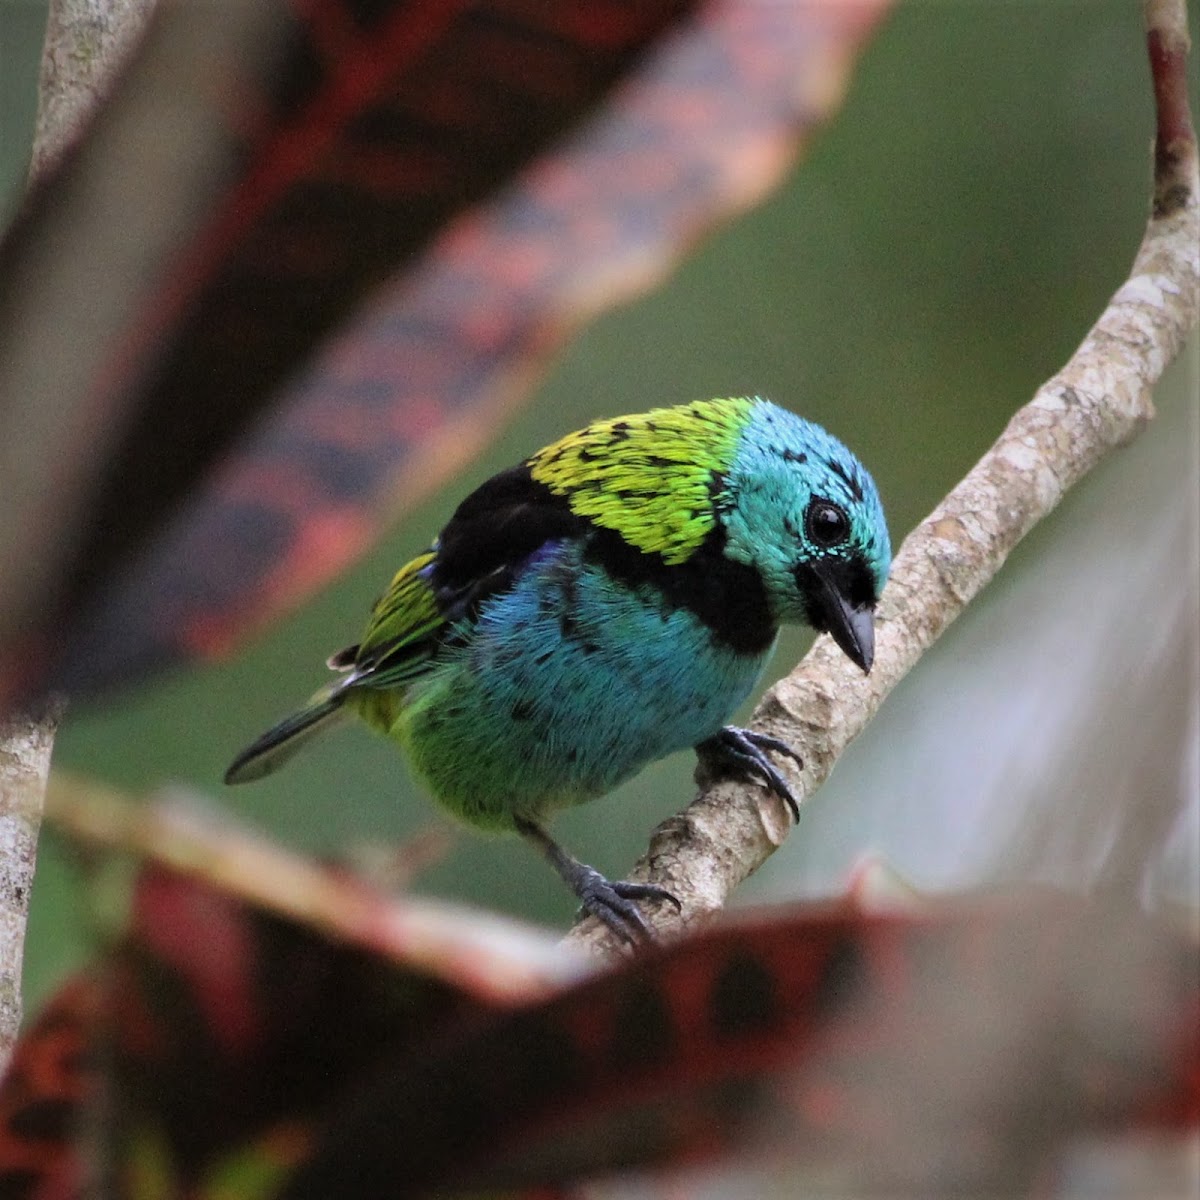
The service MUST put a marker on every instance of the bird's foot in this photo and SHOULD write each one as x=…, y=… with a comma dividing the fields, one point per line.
x=746, y=749
x=611, y=901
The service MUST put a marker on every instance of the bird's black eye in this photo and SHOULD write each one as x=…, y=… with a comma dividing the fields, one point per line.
x=827, y=524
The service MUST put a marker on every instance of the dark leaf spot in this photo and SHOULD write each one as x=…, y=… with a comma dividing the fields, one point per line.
x=842, y=979
x=42, y=1120
x=743, y=998
x=18, y=1185
x=539, y=1060
x=644, y=1033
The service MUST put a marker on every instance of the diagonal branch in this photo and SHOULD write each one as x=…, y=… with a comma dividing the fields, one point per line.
x=1099, y=401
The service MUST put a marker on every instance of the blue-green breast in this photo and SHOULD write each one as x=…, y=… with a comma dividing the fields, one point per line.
x=564, y=686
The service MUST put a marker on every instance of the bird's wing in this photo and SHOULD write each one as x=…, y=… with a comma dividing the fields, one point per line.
x=405, y=629
x=479, y=554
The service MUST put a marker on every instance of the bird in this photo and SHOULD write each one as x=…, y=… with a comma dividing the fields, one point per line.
x=608, y=601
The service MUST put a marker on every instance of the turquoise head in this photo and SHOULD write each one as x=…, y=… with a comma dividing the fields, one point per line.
x=798, y=506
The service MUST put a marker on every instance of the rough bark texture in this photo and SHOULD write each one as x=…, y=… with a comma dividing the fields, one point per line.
x=87, y=41
x=1096, y=403
x=25, y=745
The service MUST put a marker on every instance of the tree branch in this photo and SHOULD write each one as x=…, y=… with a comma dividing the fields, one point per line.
x=25, y=745
x=1096, y=403
x=87, y=41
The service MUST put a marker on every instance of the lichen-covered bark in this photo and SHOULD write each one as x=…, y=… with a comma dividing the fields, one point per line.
x=87, y=41
x=25, y=745
x=1096, y=403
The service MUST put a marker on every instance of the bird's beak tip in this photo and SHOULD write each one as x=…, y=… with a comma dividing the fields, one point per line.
x=859, y=644
x=853, y=629
x=851, y=626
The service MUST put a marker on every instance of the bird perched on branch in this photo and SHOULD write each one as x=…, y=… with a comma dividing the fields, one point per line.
x=610, y=600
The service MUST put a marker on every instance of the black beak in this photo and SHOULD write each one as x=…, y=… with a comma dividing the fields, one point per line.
x=851, y=626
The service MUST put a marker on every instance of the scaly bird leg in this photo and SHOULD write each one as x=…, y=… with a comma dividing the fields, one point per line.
x=743, y=748
x=610, y=900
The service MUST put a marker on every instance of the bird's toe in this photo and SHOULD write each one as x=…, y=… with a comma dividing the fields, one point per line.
x=614, y=903
x=746, y=749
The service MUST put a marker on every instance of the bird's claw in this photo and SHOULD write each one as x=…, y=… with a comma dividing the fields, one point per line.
x=747, y=749
x=612, y=901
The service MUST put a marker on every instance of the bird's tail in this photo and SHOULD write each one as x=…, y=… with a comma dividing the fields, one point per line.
x=279, y=743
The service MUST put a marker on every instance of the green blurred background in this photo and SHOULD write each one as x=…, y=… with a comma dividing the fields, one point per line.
x=940, y=251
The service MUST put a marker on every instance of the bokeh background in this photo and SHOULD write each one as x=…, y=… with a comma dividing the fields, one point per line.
x=940, y=251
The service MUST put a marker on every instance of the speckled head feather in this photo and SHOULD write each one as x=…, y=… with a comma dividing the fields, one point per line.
x=656, y=478
x=785, y=471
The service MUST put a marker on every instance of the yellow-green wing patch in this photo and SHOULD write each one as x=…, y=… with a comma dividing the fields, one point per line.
x=406, y=614
x=650, y=477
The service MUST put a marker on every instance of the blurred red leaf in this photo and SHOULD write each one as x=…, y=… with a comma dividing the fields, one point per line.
x=957, y=1050
x=221, y=1032
x=52, y=1078
x=247, y=184
x=306, y=217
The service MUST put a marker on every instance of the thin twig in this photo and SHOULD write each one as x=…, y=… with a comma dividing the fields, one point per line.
x=1096, y=403
x=494, y=959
